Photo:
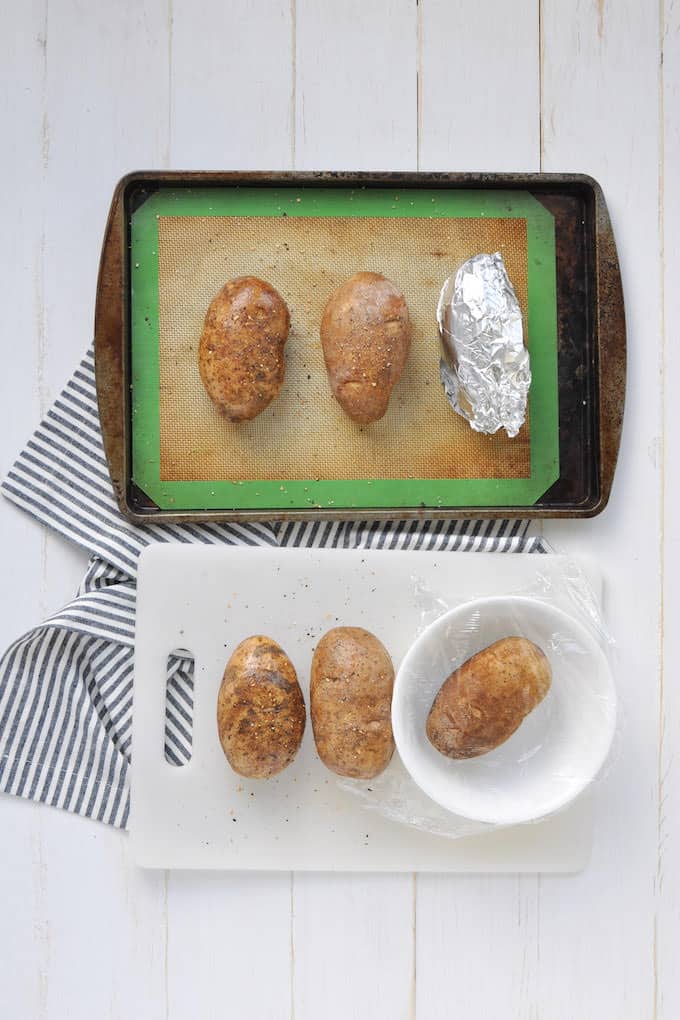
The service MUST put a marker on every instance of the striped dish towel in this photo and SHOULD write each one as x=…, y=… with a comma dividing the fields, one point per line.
x=66, y=687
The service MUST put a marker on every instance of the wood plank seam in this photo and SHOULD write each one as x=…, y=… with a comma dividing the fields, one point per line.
x=662, y=509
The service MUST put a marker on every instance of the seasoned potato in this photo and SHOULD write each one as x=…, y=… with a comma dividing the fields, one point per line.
x=240, y=355
x=366, y=338
x=482, y=704
x=350, y=702
x=260, y=709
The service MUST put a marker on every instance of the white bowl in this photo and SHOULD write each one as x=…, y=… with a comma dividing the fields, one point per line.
x=559, y=748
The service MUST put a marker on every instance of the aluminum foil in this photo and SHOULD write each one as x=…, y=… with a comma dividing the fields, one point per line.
x=485, y=366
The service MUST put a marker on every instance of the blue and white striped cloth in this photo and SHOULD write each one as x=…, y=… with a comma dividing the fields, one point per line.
x=66, y=687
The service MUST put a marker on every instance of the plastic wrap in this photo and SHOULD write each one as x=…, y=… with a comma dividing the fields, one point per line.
x=558, y=751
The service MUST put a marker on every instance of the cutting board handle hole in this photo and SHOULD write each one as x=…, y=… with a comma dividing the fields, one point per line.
x=179, y=706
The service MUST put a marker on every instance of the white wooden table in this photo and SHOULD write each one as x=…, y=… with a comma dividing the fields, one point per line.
x=90, y=90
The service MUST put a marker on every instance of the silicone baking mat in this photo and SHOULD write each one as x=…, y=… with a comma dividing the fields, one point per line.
x=302, y=451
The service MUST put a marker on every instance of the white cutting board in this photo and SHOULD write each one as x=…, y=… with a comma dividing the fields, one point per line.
x=203, y=815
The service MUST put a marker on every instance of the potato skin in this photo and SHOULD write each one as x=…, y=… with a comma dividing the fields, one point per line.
x=483, y=702
x=260, y=709
x=366, y=339
x=241, y=351
x=350, y=702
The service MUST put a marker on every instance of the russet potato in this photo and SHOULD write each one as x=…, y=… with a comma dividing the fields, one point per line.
x=350, y=702
x=241, y=351
x=481, y=704
x=366, y=338
x=260, y=709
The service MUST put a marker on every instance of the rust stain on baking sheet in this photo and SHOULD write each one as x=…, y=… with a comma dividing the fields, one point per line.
x=304, y=433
